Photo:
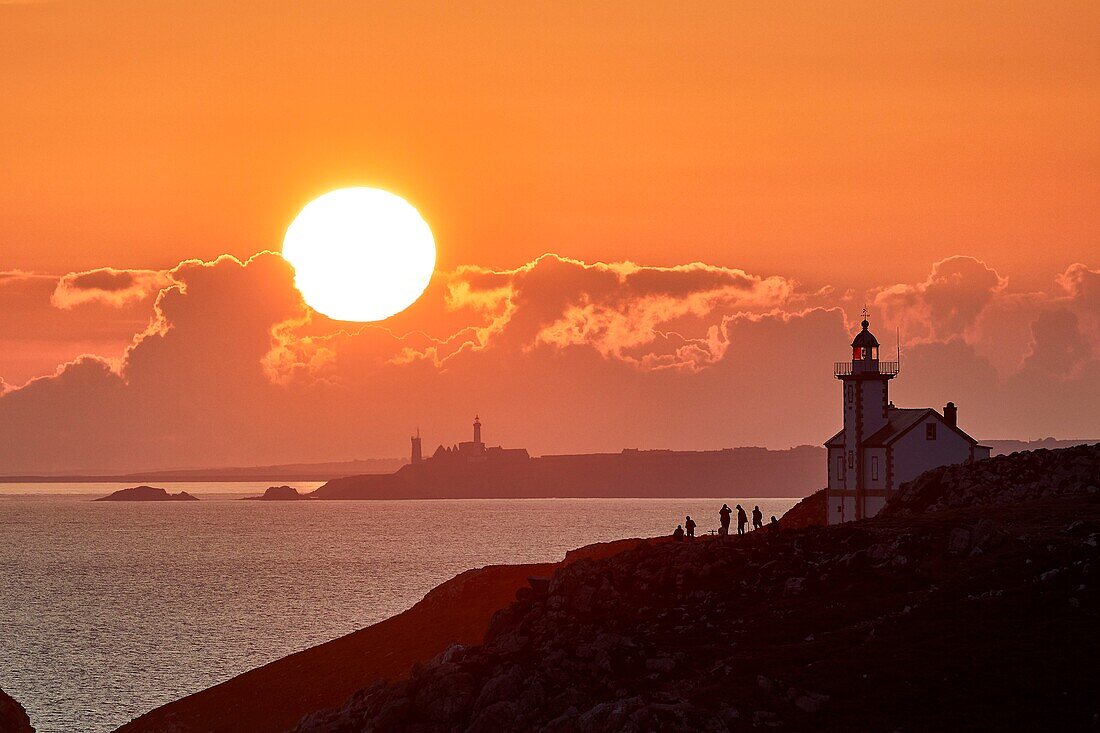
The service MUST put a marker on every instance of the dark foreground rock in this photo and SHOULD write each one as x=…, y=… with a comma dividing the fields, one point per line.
x=279, y=493
x=810, y=512
x=1011, y=479
x=13, y=718
x=979, y=617
x=147, y=493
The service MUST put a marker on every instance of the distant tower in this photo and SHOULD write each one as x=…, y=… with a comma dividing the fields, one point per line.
x=866, y=402
x=477, y=430
x=417, y=454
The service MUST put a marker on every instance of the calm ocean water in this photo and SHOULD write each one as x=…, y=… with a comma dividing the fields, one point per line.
x=108, y=610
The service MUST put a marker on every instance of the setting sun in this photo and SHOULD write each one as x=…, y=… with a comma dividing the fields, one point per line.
x=360, y=254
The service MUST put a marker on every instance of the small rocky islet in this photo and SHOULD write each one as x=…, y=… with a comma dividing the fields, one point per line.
x=279, y=493
x=147, y=493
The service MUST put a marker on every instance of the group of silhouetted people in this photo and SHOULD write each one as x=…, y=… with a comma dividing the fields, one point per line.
x=724, y=515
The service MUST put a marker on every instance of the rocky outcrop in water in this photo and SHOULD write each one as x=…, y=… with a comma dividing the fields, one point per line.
x=279, y=493
x=146, y=493
x=13, y=718
x=981, y=616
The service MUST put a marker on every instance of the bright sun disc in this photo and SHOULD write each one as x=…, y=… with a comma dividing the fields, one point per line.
x=360, y=254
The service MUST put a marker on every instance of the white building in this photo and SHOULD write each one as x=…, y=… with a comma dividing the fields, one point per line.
x=882, y=446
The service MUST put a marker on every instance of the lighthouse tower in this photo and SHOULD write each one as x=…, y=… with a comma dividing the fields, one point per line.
x=417, y=452
x=866, y=399
x=477, y=432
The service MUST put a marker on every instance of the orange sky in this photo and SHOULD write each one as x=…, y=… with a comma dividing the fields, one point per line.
x=936, y=161
x=772, y=136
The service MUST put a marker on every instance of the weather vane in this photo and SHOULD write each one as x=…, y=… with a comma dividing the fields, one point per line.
x=865, y=313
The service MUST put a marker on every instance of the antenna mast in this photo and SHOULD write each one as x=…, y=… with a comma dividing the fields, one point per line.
x=898, y=338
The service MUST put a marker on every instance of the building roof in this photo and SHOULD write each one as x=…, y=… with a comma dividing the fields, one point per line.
x=900, y=420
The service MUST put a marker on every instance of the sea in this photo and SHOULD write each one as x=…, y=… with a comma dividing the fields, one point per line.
x=111, y=609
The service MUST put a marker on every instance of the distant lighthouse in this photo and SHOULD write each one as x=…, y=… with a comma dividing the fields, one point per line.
x=417, y=453
x=477, y=431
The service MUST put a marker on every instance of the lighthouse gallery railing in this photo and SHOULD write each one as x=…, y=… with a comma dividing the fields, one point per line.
x=844, y=368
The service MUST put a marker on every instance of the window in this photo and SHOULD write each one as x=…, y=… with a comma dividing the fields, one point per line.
x=840, y=468
x=874, y=468
x=874, y=352
x=930, y=431
x=851, y=460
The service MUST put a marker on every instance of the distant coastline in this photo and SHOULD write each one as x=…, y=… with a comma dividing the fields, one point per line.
x=473, y=471
x=298, y=472
x=276, y=473
x=494, y=473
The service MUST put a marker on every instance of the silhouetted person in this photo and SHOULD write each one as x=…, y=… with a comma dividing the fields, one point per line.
x=689, y=525
x=742, y=520
x=757, y=518
x=774, y=525
x=724, y=513
x=678, y=535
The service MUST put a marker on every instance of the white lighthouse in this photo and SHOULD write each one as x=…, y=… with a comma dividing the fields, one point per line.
x=882, y=446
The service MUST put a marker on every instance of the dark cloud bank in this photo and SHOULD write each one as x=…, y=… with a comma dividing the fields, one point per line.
x=556, y=355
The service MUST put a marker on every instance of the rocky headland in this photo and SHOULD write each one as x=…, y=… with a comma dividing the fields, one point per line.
x=630, y=473
x=972, y=604
x=146, y=493
x=13, y=718
x=278, y=493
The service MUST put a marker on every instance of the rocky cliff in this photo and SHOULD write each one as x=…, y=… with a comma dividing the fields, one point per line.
x=13, y=718
x=972, y=604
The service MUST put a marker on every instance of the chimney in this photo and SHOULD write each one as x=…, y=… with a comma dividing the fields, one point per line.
x=951, y=414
